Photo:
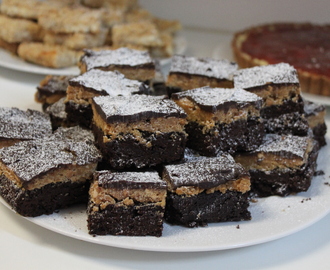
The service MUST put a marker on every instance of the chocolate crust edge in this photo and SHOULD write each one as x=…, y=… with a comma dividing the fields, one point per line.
x=194, y=211
x=45, y=200
x=136, y=220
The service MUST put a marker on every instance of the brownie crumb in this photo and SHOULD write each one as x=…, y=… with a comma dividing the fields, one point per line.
x=305, y=200
x=317, y=173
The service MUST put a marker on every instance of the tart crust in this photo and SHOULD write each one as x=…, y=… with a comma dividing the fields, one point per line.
x=310, y=82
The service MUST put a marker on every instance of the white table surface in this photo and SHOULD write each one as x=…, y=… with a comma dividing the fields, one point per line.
x=24, y=245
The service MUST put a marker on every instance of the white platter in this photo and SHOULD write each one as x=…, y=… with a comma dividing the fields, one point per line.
x=272, y=218
x=11, y=61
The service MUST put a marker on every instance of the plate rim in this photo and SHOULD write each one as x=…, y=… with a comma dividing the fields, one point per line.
x=13, y=62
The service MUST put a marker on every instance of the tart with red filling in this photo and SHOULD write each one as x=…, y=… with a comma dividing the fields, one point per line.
x=306, y=46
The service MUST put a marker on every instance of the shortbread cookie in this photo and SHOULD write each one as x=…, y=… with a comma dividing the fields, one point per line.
x=54, y=56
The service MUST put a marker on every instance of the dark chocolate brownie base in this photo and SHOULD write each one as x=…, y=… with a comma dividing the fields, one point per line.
x=137, y=220
x=45, y=200
x=128, y=153
x=239, y=135
x=288, y=106
x=79, y=113
x=289, y=123
x=284, y=183
x=319, y=134
x=205, y=208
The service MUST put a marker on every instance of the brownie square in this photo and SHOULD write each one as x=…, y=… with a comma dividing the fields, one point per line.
x=315, y=115
x=138, y=131
x=206, y=190
x=58, y=115
x=51, y=89
x=277, y=84
x=94, y=83
x=43, y=175
x=282, y=165
x=18, y=125
x=127, y=203
x=134, y=64
x=221, y=119
x=192, y=72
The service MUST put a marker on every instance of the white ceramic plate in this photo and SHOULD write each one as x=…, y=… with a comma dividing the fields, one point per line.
x=223, y=51
x=11, y=61
x=272, y=218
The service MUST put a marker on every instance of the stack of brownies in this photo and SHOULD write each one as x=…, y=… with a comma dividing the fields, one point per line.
x=191, y=157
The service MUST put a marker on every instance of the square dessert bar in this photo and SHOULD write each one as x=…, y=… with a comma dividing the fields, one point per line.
x=138, y=131
x=282, y=165
x=94, y=83
x=58, y=115
x=134, y=64
x=43, y=175
x=277, y=84
x=191, y=72
x=48, y=55
x=51, y=89
x=77, y=41
x=126, y=203
x=17, y=125
x=221, y=119
x=14, y=30
x=315, y=115
x=72, y=19
x=206, y=190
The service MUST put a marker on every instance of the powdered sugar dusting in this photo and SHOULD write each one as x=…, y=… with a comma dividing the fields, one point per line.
x=113, y=83
x=204, y=172
x=29, y=159
x=121, y=56
x=220, y=69
x=108, y=179
x=258, y=76
x=57, y=109
x=274, y=143
x=19, y=124
x=137, y=107
x=213, y=97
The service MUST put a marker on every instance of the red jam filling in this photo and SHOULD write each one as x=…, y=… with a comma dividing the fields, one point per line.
x=305, y=46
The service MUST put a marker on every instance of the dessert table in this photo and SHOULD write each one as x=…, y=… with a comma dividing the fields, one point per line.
x=25, y=245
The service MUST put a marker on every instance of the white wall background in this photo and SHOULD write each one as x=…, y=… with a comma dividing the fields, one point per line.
x=233, y=15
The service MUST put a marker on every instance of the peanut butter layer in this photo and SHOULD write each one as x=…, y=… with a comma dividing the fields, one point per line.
x=97, y=82
x=134, y=64
x=209, y=106
x=33, y=164
x=127, y=188
x=240, y=185
x=278, y=152
x=220, y=173
x=191, y=72
x=274, y=83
